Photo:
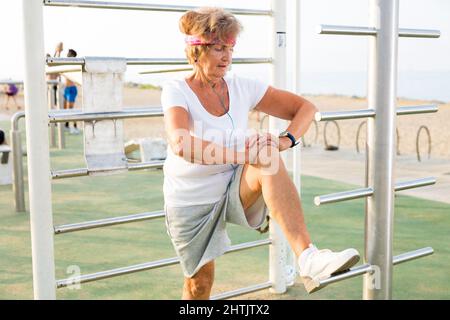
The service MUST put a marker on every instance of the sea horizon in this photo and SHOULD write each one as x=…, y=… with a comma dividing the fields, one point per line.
x=415, y=85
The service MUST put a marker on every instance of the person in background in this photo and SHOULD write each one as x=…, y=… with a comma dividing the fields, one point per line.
x=70, y=95
x=55, y=76
x=11, y=91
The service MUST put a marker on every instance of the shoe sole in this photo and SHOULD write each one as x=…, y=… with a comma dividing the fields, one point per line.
x=313, y=285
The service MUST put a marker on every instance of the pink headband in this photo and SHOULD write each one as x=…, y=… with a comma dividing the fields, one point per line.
x=196, y=41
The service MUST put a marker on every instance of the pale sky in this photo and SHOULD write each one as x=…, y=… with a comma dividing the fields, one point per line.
x=94, y=32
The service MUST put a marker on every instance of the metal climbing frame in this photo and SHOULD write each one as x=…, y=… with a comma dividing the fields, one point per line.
x=379, y=260
x=16, y=145
x=381, y=114
x=38, y=118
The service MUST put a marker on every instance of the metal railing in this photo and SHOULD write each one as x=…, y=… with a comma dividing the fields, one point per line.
x=143, y=7
x=147, y=266
x=379, y=191
x=372, y=31
x=367, y=268
x=367, y=192
x=57, y=116
x=51, y=61
x=87, y=225
x=370, y=113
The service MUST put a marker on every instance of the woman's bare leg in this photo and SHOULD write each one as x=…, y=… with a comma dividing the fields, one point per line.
x=199, y=286
x=281, y=197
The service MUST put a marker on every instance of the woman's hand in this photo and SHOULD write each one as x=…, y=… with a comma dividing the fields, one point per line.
x=284, y=143
x=256, y=143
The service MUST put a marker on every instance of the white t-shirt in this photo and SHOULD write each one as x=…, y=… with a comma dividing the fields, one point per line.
x=186, y=183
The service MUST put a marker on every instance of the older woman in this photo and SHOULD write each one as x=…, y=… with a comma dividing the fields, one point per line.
x=215, y=172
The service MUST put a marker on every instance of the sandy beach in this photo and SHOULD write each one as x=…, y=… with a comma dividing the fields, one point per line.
x=407, y=125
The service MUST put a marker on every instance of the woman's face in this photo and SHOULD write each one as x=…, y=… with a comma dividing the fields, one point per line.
x=216, y=61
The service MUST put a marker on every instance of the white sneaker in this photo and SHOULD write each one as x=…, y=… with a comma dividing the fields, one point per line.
x=72, y=130
x=76, y=131
x=318, y=265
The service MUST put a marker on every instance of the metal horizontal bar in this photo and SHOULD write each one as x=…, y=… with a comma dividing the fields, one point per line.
x=143, y=7
x=156, y=164
x=21, y=82
x=116, y=272
x=346, y=30
x=422, y=182
x=418, y=33
x=145, y=266
x=412, y=255
x=401, y=111
x=359, y=270
x=108, y=222
x=78, y=115
x=340, y=115
x=343, y=196
x=365, y=113
x=52, y=61
x=366, y=192
x=71, y=173
x=371, y=31
x=166, y=71
x=353, y=272
x=241, y=291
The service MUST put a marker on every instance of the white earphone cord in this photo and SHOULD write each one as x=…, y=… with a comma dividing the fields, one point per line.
x=227, y=113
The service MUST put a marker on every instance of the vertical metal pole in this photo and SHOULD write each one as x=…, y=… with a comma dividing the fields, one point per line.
x=277, y=255
x=296, y=152
x=59, y=106
x=381, y=148
x=51, y=106
x=17, y=158
x=297, y=69
x=38, y=152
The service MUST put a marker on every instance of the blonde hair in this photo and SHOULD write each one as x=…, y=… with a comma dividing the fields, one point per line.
x=207, y=23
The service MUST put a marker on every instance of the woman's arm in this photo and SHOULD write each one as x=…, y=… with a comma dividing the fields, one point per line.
x=196, y=150
x=288, y=106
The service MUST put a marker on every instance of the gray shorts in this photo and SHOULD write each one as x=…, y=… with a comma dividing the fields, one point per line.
x=198, y=232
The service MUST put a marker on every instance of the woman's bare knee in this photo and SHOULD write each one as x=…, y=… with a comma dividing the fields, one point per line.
x=269, y=160
x=199, y=286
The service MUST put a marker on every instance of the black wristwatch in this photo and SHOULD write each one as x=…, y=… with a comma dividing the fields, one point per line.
x=286, y=133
